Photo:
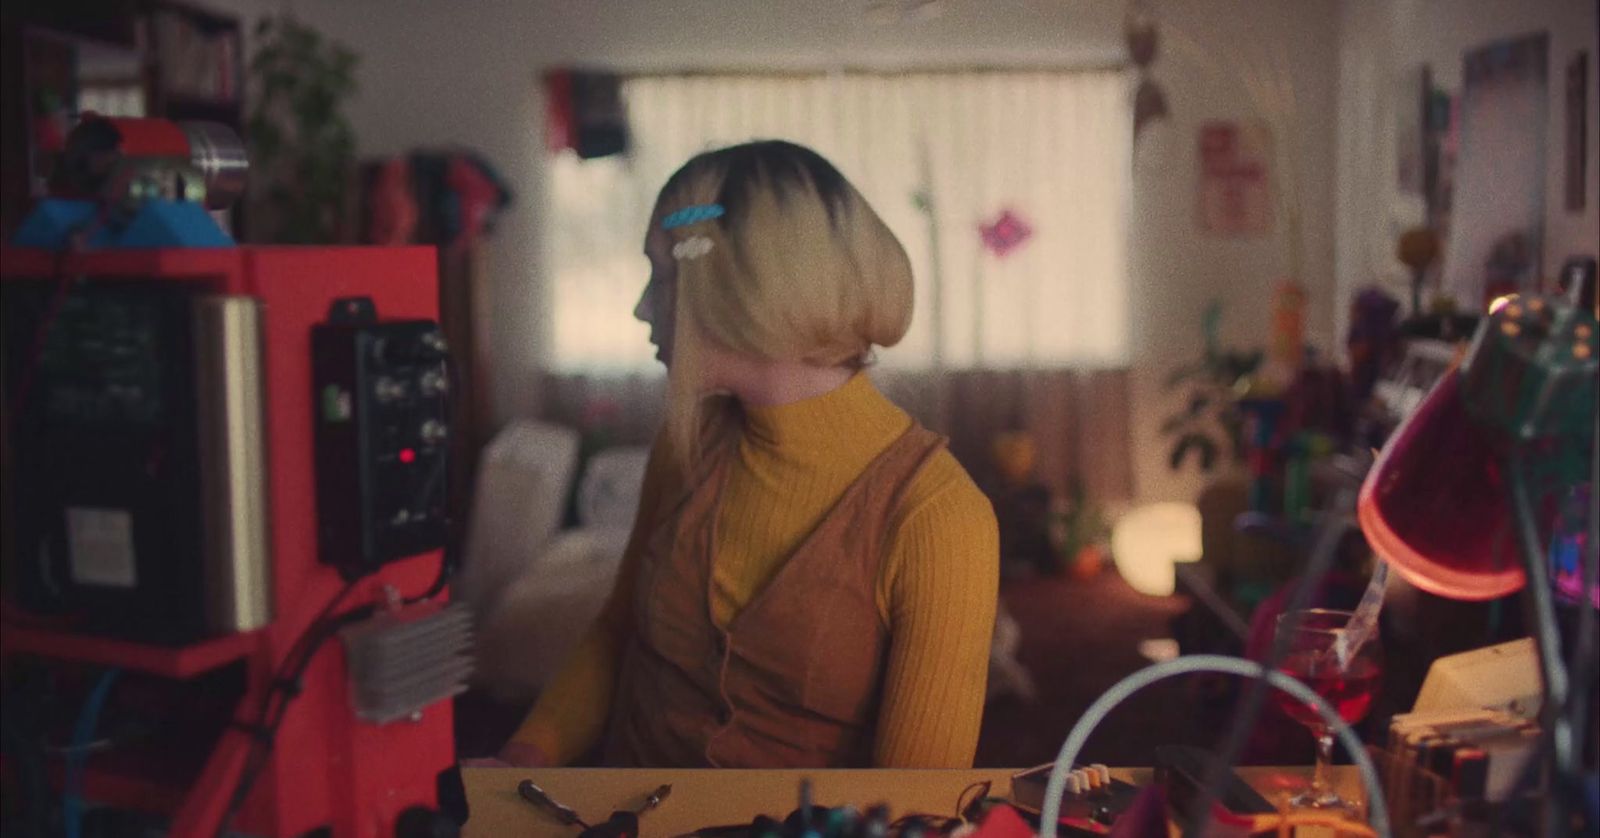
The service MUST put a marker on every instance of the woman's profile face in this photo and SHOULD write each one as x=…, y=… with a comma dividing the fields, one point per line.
x=659, y=302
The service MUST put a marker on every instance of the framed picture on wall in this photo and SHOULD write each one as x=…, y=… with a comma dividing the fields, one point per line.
x=1576, y=168
x=1439, y=148
x=1234, y=196
x=1496, y=239
x=1411, y=115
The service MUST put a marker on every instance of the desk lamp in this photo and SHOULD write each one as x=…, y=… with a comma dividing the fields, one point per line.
x=1458, y=500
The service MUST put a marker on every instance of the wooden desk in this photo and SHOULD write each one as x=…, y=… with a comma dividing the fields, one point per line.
x=702, y=798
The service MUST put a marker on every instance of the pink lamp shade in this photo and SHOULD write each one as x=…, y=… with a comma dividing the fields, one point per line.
x=1434, y=503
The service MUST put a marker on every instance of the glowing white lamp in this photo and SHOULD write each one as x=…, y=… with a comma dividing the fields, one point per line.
x=1149, y=541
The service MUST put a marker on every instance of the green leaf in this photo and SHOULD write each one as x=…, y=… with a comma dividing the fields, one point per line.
x=301, y=144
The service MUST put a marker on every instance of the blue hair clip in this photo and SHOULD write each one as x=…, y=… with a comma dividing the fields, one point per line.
x=692, y=215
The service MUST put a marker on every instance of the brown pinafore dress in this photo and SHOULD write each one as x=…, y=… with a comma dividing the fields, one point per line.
x=796, y=679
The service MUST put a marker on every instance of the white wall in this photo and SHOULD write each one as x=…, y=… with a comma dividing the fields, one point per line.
x=1381, y=39
x=1176, y=269
x=466, y=72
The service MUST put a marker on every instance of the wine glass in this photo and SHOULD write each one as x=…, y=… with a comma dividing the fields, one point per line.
x=1308, y=637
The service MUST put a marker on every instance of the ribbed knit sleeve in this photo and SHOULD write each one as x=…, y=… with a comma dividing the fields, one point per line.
x=570, y=715
x=941, y=582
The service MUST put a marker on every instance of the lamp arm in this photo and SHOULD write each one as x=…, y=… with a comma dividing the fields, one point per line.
x=1553, y=716
x=1378, y=810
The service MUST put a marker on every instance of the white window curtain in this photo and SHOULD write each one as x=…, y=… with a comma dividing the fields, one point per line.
x=937, y=154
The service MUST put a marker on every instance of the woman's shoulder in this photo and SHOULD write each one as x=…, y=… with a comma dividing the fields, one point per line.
x=943, y=494
x=944, y=535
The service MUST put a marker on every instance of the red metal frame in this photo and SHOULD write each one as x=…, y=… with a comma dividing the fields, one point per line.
x=168, y=661
x=328, y=768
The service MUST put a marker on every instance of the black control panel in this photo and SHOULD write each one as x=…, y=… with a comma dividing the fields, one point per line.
x=101, y=507
x=382, y=435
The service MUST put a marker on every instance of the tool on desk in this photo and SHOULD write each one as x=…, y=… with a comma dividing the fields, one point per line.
x=810, y=820
x=538, y=797
x=661, y=793
x=1092, y=802
x=621, y=824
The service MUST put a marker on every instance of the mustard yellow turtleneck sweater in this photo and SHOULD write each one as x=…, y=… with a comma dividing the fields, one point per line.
x=936, y=592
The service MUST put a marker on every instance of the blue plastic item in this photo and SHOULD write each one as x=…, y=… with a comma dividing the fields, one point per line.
x=164, y=223
x=51, y=224
x=55, y=222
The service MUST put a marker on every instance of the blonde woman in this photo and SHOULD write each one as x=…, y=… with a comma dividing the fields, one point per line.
x=811, y=579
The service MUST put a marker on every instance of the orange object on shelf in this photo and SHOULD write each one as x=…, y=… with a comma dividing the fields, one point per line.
x=1289, y=325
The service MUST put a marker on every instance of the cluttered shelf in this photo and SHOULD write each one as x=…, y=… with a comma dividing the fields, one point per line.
x=168, y=661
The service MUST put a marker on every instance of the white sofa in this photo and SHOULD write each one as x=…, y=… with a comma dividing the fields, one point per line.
x=534, y=586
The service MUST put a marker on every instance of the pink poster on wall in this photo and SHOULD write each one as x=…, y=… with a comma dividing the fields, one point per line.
x=1233, y=197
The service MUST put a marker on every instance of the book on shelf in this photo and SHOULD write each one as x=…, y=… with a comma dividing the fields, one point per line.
x=194, y=62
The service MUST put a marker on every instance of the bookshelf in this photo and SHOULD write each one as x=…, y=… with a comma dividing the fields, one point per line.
x=159, y=58
x=195, y=64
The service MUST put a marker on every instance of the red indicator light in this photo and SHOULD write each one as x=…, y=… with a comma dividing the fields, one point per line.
x=407, y=455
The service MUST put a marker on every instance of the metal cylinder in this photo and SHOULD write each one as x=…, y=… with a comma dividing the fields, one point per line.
x=219, y=153
x=102, y=152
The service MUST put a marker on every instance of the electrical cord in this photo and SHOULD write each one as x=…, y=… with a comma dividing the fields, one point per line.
x=447, y=569
x=83, y=732
x=41, y=336
x=281, y=692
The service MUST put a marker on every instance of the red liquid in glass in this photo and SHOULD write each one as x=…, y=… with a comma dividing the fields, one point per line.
x=1350, y=692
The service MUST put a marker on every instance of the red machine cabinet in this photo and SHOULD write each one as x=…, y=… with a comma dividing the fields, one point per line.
x=328, y=768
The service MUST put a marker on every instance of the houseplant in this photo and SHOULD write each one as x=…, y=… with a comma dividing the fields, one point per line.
x=1212, y=420
x=302, y=148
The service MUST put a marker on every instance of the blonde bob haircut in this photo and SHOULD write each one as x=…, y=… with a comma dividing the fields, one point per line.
x=800, y=269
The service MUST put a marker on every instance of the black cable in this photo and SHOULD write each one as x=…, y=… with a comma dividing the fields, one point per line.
x=281, y=692
x=447, y=570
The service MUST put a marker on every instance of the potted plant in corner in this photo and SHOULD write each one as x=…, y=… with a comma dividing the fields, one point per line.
x=302, y=148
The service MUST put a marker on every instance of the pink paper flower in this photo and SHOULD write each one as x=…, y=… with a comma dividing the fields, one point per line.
x=1005, y=234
